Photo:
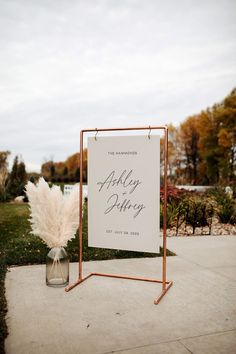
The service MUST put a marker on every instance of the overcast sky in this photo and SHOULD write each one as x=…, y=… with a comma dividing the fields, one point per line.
x=66, y=65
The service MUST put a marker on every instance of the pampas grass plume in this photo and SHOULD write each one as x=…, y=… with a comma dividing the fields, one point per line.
x=53, y=217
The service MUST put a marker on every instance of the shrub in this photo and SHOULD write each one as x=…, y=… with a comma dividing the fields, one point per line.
x=226, y=206
x=227, y=211
x=170, y=216
x=217, y=193
x=195, y=213
x=4, y=195
x=210, y=209
x=181, y=212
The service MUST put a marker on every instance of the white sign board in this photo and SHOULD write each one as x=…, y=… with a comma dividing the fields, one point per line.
x=124, y=192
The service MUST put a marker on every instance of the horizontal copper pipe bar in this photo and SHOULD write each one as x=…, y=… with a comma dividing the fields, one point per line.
x=127, y=277
x=122, y=129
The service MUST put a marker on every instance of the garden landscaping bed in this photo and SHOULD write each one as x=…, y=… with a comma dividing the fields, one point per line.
x=196, y=213
x=217, y=229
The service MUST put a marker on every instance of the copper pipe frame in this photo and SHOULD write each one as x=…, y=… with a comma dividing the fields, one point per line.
x=166, y=285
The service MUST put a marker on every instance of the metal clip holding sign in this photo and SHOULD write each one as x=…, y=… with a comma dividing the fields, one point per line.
x=149, y=134
x=165, y=284
x=95, y=136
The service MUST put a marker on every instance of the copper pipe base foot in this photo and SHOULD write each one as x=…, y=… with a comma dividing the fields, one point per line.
x=156, y=301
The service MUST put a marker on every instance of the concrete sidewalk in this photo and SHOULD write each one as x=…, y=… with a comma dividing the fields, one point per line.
x=105, y=315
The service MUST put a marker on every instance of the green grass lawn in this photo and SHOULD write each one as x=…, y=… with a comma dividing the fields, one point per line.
x=19, y=247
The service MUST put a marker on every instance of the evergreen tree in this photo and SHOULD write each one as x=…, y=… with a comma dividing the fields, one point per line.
x=52, y=170
x=77, y=174
x=3, y=174
x=17, y=179
x=189, y=134
x=65, y=171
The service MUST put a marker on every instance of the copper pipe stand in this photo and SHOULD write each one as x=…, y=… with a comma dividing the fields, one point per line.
x=166, y=285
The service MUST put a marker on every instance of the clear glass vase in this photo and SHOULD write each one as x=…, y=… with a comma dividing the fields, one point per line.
x=57, y=267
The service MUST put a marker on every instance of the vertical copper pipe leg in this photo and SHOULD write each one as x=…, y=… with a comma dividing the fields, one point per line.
x=81, y=206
